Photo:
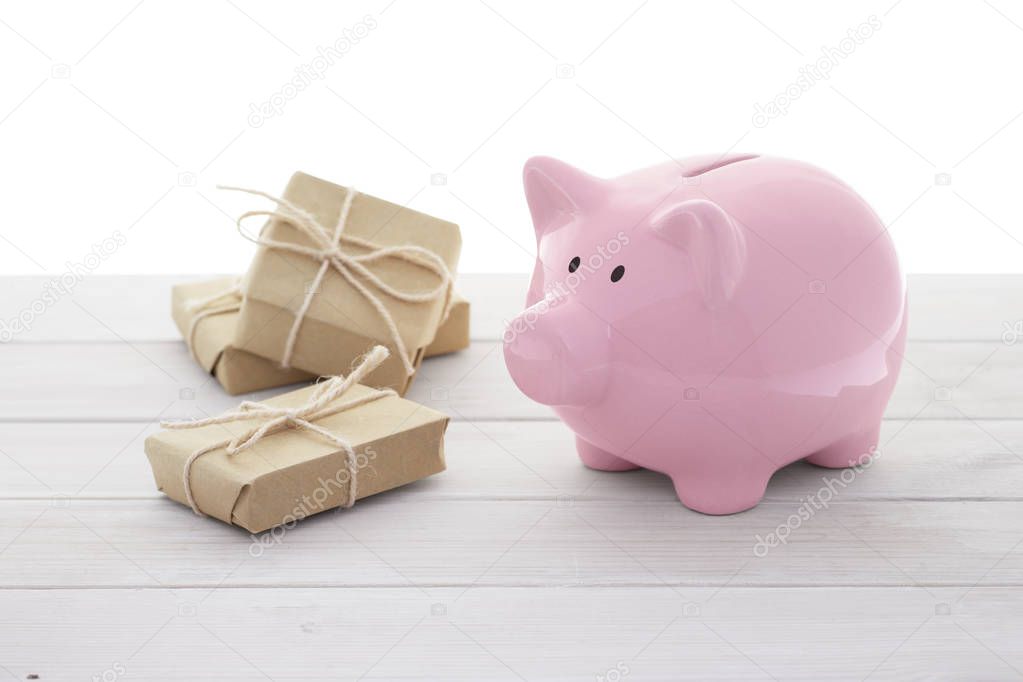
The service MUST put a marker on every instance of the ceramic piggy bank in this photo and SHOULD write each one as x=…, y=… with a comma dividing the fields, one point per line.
x=714, y=319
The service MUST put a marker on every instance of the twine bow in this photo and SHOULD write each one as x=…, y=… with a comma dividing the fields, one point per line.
x=323, y=403
x=212, y=305
x=328, y=248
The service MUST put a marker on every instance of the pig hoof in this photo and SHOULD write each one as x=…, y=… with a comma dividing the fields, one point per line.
x=854, y=450
x=598, y=459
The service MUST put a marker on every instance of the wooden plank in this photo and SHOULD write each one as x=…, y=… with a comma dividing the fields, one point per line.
x=144, y=381
x=579, y=634
x=137, y=308
x=98, y=308
x=568, y=542
x=526, y=633
x=920, y=460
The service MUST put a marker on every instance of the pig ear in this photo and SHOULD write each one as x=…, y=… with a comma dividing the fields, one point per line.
x=714, y=243
x=556, y=192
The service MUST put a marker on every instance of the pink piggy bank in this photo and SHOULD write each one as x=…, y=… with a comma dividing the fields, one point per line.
x=713, y=319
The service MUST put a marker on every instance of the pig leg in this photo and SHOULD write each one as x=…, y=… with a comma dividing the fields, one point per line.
x=723, y=487
x=849, y=451
x=595, y=458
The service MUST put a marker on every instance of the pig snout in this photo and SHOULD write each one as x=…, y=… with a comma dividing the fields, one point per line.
x=558, y=354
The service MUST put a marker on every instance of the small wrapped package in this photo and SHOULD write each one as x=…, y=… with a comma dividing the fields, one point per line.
x=206, y=314
x=338, y=271
x=317, y=448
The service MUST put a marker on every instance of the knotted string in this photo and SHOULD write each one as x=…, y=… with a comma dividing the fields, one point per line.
x=204, y=307
x=322, y=403
x=327, y=248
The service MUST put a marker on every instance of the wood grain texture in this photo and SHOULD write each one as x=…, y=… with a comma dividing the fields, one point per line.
x=511, y=634
x=565, y=542
x=517, y=562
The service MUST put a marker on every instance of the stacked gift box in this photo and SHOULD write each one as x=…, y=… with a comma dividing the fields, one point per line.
x=344, y=287
x=206, y=314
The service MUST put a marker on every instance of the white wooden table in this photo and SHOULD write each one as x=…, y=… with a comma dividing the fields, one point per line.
x=517, y=562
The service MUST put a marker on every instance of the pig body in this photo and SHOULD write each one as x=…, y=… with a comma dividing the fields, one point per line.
x=713, y=319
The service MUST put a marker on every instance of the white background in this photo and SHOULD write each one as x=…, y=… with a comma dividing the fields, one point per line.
x=123, y=116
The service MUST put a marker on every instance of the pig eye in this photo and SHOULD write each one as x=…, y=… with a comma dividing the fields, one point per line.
x=617, y=273
x=573, y=264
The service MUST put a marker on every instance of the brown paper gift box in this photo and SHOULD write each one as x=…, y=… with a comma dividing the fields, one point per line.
x=213, y=345
x=295, y=473
x=340, y=323
x=239, y=371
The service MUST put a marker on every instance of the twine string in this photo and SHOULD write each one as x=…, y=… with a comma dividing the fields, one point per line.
x=205, y=307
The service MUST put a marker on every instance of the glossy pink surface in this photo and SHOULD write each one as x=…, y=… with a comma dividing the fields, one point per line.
x=760, y=320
